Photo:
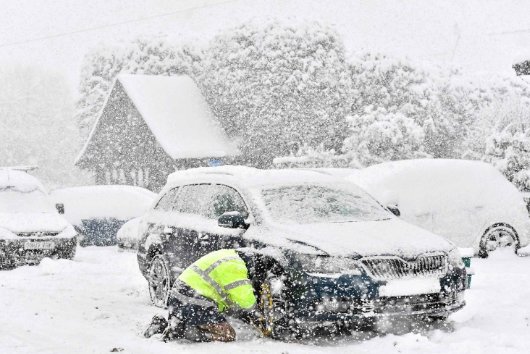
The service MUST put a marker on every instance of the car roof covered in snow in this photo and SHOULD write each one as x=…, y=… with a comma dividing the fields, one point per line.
x=250, y=177
x=103, y=201
x=177, y=114
x=19, y=181
x=425, y=183
x=105, y=189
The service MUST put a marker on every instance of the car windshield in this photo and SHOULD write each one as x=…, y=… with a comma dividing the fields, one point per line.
x=307, y=204
x=15, y=201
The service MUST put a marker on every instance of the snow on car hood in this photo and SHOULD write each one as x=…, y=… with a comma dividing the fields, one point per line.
x=366, y=238
x=32, y=222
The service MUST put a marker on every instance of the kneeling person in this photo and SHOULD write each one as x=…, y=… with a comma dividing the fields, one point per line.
x=215, y=284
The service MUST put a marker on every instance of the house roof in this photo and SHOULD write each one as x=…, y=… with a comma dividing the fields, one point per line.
x=177, y=114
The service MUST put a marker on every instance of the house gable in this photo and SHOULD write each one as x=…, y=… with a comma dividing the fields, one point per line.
x=121, y=147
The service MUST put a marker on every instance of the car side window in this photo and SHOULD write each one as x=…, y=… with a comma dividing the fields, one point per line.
x=223, y=199
x=165, y=203
x=193, y=199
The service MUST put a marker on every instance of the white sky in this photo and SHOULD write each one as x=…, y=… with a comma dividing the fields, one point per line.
x=468, y=33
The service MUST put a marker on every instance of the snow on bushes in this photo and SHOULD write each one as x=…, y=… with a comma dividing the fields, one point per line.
x=278, y=87
x=289, y=92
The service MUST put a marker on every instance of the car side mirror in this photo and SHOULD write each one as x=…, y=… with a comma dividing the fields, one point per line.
x=232, y=220
x=60, y=208
x=394, y=209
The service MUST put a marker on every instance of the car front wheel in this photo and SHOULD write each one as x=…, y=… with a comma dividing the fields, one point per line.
x=497, y=237
x=276, y=323
x=159, y=282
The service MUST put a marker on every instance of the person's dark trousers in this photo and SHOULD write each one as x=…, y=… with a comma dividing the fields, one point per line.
x=190, y=314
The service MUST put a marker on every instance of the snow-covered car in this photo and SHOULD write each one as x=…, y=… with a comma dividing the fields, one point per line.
x=128, y=234
x=468, y=202
x=345, y=258
x=98, y=212
x=30, y=226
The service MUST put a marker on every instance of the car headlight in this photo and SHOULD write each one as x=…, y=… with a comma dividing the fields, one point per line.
x=455, y=258
x=321, y=264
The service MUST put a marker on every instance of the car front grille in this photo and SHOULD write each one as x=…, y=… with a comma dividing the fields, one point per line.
x=37, y=234
x=391, y=267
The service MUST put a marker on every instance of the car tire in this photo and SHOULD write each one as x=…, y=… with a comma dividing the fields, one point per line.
x=159, y=281
x=276, y=323
x=498, y=236
x=69, y=253
x=436, y=318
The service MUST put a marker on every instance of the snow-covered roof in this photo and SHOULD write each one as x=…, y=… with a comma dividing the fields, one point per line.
x=118, y=201
x=177, y=114
x=19, y=180
x=424, y=184
x=251, y=177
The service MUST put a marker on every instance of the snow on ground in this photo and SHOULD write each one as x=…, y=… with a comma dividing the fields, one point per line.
x=99, y=301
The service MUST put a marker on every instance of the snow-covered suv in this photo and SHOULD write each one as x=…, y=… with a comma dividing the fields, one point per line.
x=30, y=227
x=345, y=258
x=469, y=202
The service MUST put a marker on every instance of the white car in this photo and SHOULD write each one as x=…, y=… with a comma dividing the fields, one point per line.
x=99, y=211
x=468, y=202
x=30, y=227
x=128, y=234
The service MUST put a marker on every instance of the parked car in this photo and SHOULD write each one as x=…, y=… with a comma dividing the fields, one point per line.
x=98, y=212
x=128, y=235
x=30, y=227
x=469, y=202
x=345, y=258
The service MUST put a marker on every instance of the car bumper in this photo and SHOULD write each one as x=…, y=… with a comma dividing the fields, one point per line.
x=435, y=305
x=351, y=300
x=30, y=250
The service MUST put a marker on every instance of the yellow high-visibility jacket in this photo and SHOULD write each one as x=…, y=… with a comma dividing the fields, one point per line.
x=221, y=276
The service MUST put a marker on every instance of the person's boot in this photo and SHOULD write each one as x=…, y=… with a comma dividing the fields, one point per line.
x=222, y=332
x=173, y=332
x=158, y=325
x=197, y=334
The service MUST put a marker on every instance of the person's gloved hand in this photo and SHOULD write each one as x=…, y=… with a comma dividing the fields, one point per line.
x=257, y=318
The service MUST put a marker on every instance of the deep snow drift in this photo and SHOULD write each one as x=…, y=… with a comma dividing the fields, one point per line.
x=100, y=301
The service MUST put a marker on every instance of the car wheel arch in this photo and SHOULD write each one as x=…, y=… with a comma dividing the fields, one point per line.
x=154, y=250
x=493, y=226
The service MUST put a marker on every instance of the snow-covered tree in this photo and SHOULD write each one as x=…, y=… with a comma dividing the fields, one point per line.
x=142, y=56
x=277, y=87
x=378, y=135
x=386, y=82
x=508, y=146
x=37, y=125
x=402, y=110
x=447, y=118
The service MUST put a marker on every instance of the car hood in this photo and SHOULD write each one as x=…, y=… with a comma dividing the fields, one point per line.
x=365, y=238
x=32, y=222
